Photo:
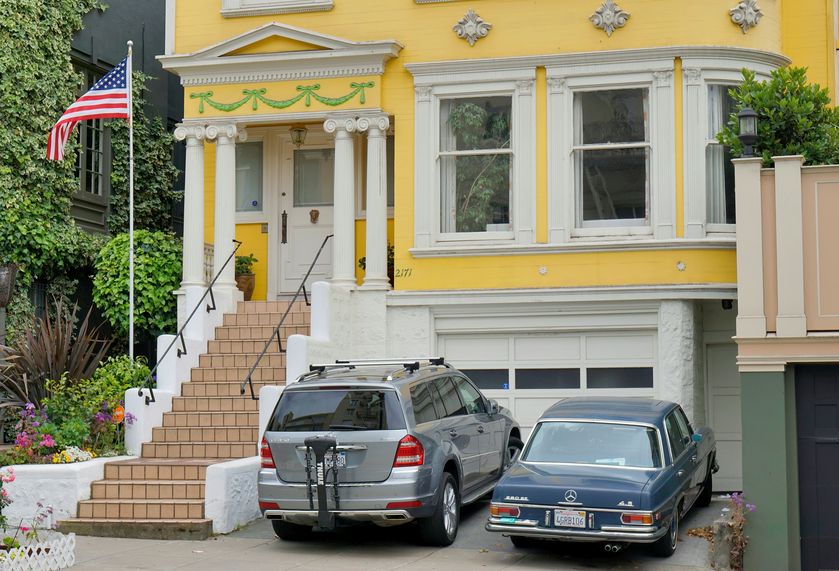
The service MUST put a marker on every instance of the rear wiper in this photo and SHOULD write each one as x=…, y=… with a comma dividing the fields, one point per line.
x=347, y=427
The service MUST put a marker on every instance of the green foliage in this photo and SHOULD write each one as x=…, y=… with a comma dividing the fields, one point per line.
x=794, y=117
x=482, y=181
x=74, y=431
x=244, y=264
x=37, y=83
x=157, y=273
x=154, y=172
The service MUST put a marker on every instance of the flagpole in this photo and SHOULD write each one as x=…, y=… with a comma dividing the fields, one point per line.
x=129, y=80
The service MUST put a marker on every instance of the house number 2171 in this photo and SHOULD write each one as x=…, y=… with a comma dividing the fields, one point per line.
x=403, y=272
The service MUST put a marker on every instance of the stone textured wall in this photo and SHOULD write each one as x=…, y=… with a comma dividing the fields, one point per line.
x=680, y=368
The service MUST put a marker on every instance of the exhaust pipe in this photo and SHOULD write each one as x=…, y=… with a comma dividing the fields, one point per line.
x=612, y=547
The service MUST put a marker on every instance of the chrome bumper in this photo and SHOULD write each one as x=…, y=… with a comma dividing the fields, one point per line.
x=635, y=534
x=379, y=517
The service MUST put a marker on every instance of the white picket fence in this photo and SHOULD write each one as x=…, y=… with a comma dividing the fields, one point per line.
x=57, y=552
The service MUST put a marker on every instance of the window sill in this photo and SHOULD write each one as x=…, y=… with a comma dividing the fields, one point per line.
x=609, y=232
x=460, y=250
x=251, y=218
x=236, y=10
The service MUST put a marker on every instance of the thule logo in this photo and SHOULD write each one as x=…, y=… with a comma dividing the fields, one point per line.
x=320, y=473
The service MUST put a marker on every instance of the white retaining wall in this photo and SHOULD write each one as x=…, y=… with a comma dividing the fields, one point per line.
x=230, y=495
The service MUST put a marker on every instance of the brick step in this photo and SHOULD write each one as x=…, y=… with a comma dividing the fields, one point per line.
x=207, y=420
x=142, y=509
x=209, y=435
x=218, y=389
x=215, y=450
x=193, y=529
x=270, y=319
x=210, y=361
x=235, y=347
x=157, y=469
x=238, y=374
x=257, y=332
x=147, y=490
x=215, y=404
x=270, y=306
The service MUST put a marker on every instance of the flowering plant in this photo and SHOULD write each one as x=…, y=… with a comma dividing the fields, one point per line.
x=736, y=512
x=33, y=440
x=73, y=454
x=42, y=521
x=7, y=476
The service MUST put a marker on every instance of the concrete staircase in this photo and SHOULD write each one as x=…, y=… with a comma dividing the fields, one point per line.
x=161, y=494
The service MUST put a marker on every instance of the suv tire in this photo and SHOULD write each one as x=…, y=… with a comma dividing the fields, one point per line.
x=291, y=531
x=441, y=528
x=513, y=443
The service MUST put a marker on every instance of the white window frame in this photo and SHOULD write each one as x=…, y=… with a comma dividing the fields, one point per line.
x=699, y=74
x=256, y=135
x=237, y=8
x=655, y=75
x=431, y=89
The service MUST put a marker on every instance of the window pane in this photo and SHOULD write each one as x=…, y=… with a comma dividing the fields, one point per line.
x=674, y=435
x=249, y=177
x=472, y=399
x=305, y=411
x=475, y=193
x=612, y=116
x=489, y=378
x=475, y=123
x=620, y=378
x=422, y=404
x=719, y=177
x=448, y=396
x=314, y=173
x=720, y=107
x=547, y=378
x=614, y=183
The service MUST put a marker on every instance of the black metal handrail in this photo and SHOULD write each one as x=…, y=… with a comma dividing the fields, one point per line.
x=147, y=384
x=302, y=288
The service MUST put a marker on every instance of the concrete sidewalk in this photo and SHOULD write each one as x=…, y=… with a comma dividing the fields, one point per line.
x=372, y=548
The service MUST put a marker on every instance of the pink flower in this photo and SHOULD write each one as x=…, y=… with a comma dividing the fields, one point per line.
x=24, y=529
x=47, y=441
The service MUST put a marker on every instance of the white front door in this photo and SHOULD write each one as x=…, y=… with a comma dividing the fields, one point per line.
x=305, y=211
x=724, y=414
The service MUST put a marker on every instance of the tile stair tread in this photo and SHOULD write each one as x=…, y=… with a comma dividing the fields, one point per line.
x=203, y=443
x=169, y=461
x=145, y=501
x=147, y=482
x=144, y=520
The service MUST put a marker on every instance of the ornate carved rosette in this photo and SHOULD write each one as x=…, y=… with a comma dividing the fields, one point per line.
x=472, y=28
x=609, y=17
x=746, y=15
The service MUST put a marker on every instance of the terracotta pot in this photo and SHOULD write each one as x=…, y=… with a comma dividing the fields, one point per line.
x=7, y=283
x=246, y=283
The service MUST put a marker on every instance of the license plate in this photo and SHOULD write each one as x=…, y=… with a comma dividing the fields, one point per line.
x=569, y=518
x=340, y=460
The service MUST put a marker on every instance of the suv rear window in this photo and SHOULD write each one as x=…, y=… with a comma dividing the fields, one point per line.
x=337, y=409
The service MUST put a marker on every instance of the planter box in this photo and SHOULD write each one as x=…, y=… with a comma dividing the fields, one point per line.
x=61, y=486
x=56, y=551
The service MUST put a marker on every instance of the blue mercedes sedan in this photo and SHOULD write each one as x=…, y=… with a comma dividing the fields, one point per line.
x=611, y=470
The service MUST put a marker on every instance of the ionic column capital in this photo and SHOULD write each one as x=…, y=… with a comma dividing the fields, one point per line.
x=340, y=126
x=226, y=133
x=193, y=134
x=373, y=123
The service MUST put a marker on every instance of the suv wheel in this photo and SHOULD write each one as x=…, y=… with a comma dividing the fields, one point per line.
x=441, y=528
x=291, y=531
x=511, y=454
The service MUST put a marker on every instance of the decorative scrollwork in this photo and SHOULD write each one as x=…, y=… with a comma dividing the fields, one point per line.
x=609, y=17
x=305, y=93
x=746, y=14
x=472, y=28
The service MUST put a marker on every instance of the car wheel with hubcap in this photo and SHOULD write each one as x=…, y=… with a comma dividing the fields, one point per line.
x=666, y=546
x=441, y=528
x=511, y=454
x=291, y=531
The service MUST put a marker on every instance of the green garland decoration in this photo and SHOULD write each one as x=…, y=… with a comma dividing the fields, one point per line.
x=306, y=93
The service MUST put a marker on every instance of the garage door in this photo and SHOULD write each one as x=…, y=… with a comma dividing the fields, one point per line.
x=724, y=414
x=817, y=413
x=529, y=372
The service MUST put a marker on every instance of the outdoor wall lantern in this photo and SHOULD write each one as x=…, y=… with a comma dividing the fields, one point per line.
x=748, y=130
x=298, y=135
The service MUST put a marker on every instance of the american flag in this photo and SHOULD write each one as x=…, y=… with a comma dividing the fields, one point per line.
x=107, y=99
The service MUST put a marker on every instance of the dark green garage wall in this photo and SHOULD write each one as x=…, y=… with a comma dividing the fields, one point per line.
x=770, y=471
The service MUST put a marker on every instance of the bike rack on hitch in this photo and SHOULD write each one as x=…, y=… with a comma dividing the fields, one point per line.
x=320, y=446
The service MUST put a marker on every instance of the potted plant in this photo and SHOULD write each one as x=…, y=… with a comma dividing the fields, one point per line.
x=362, y=263
x=245, y=280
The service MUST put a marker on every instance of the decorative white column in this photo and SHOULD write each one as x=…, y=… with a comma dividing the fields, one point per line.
x=751, y=317
x=343, y=243
x=789, y=233
x=375, y=276
x=224, y=289
x=192, y=282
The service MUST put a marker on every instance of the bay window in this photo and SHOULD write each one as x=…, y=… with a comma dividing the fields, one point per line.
x=719, y=170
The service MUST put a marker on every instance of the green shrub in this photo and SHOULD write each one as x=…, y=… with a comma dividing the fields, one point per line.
x=157, y=273
x=74, y=431
x=794, y=117
x=244, y=264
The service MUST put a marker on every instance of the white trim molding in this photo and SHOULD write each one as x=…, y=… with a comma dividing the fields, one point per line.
x=330, y=56
x=430, y=88
x=239, y=8
x=169, y=42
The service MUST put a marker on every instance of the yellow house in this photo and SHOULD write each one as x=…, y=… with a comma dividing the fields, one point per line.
x=561, y=214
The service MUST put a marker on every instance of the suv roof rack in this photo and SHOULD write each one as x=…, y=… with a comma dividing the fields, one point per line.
x=408, y=364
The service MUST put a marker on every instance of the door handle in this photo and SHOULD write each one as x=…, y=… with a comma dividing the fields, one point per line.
x=284, y=231
x=680, y=473
x=452, y=433
x=694, y=459
x=481, y=429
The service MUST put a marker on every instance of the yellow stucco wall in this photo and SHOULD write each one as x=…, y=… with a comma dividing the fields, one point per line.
x=800, y=29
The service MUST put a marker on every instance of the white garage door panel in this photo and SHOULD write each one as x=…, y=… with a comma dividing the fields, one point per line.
x=724, y=414
x=528, y=410
x=619, y=348
x=477, y=349
x=546, y=349
x=730, y=459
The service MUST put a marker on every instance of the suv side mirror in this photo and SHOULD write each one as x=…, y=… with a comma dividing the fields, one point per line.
x=494, y=408
x=696, y=438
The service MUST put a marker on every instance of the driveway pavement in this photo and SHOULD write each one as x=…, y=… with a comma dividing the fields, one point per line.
x=372, y=549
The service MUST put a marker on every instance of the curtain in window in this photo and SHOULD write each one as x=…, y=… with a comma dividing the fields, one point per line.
x=715, y=154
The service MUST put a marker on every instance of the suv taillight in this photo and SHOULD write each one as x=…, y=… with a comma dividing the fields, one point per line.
x=265, y=454
x=409, y=453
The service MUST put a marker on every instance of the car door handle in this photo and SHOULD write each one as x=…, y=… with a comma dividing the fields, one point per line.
x=680, y=473
x=481, y=429
x=452, y=433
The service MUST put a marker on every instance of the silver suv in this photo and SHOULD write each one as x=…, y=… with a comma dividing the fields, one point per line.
x=387, y=442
